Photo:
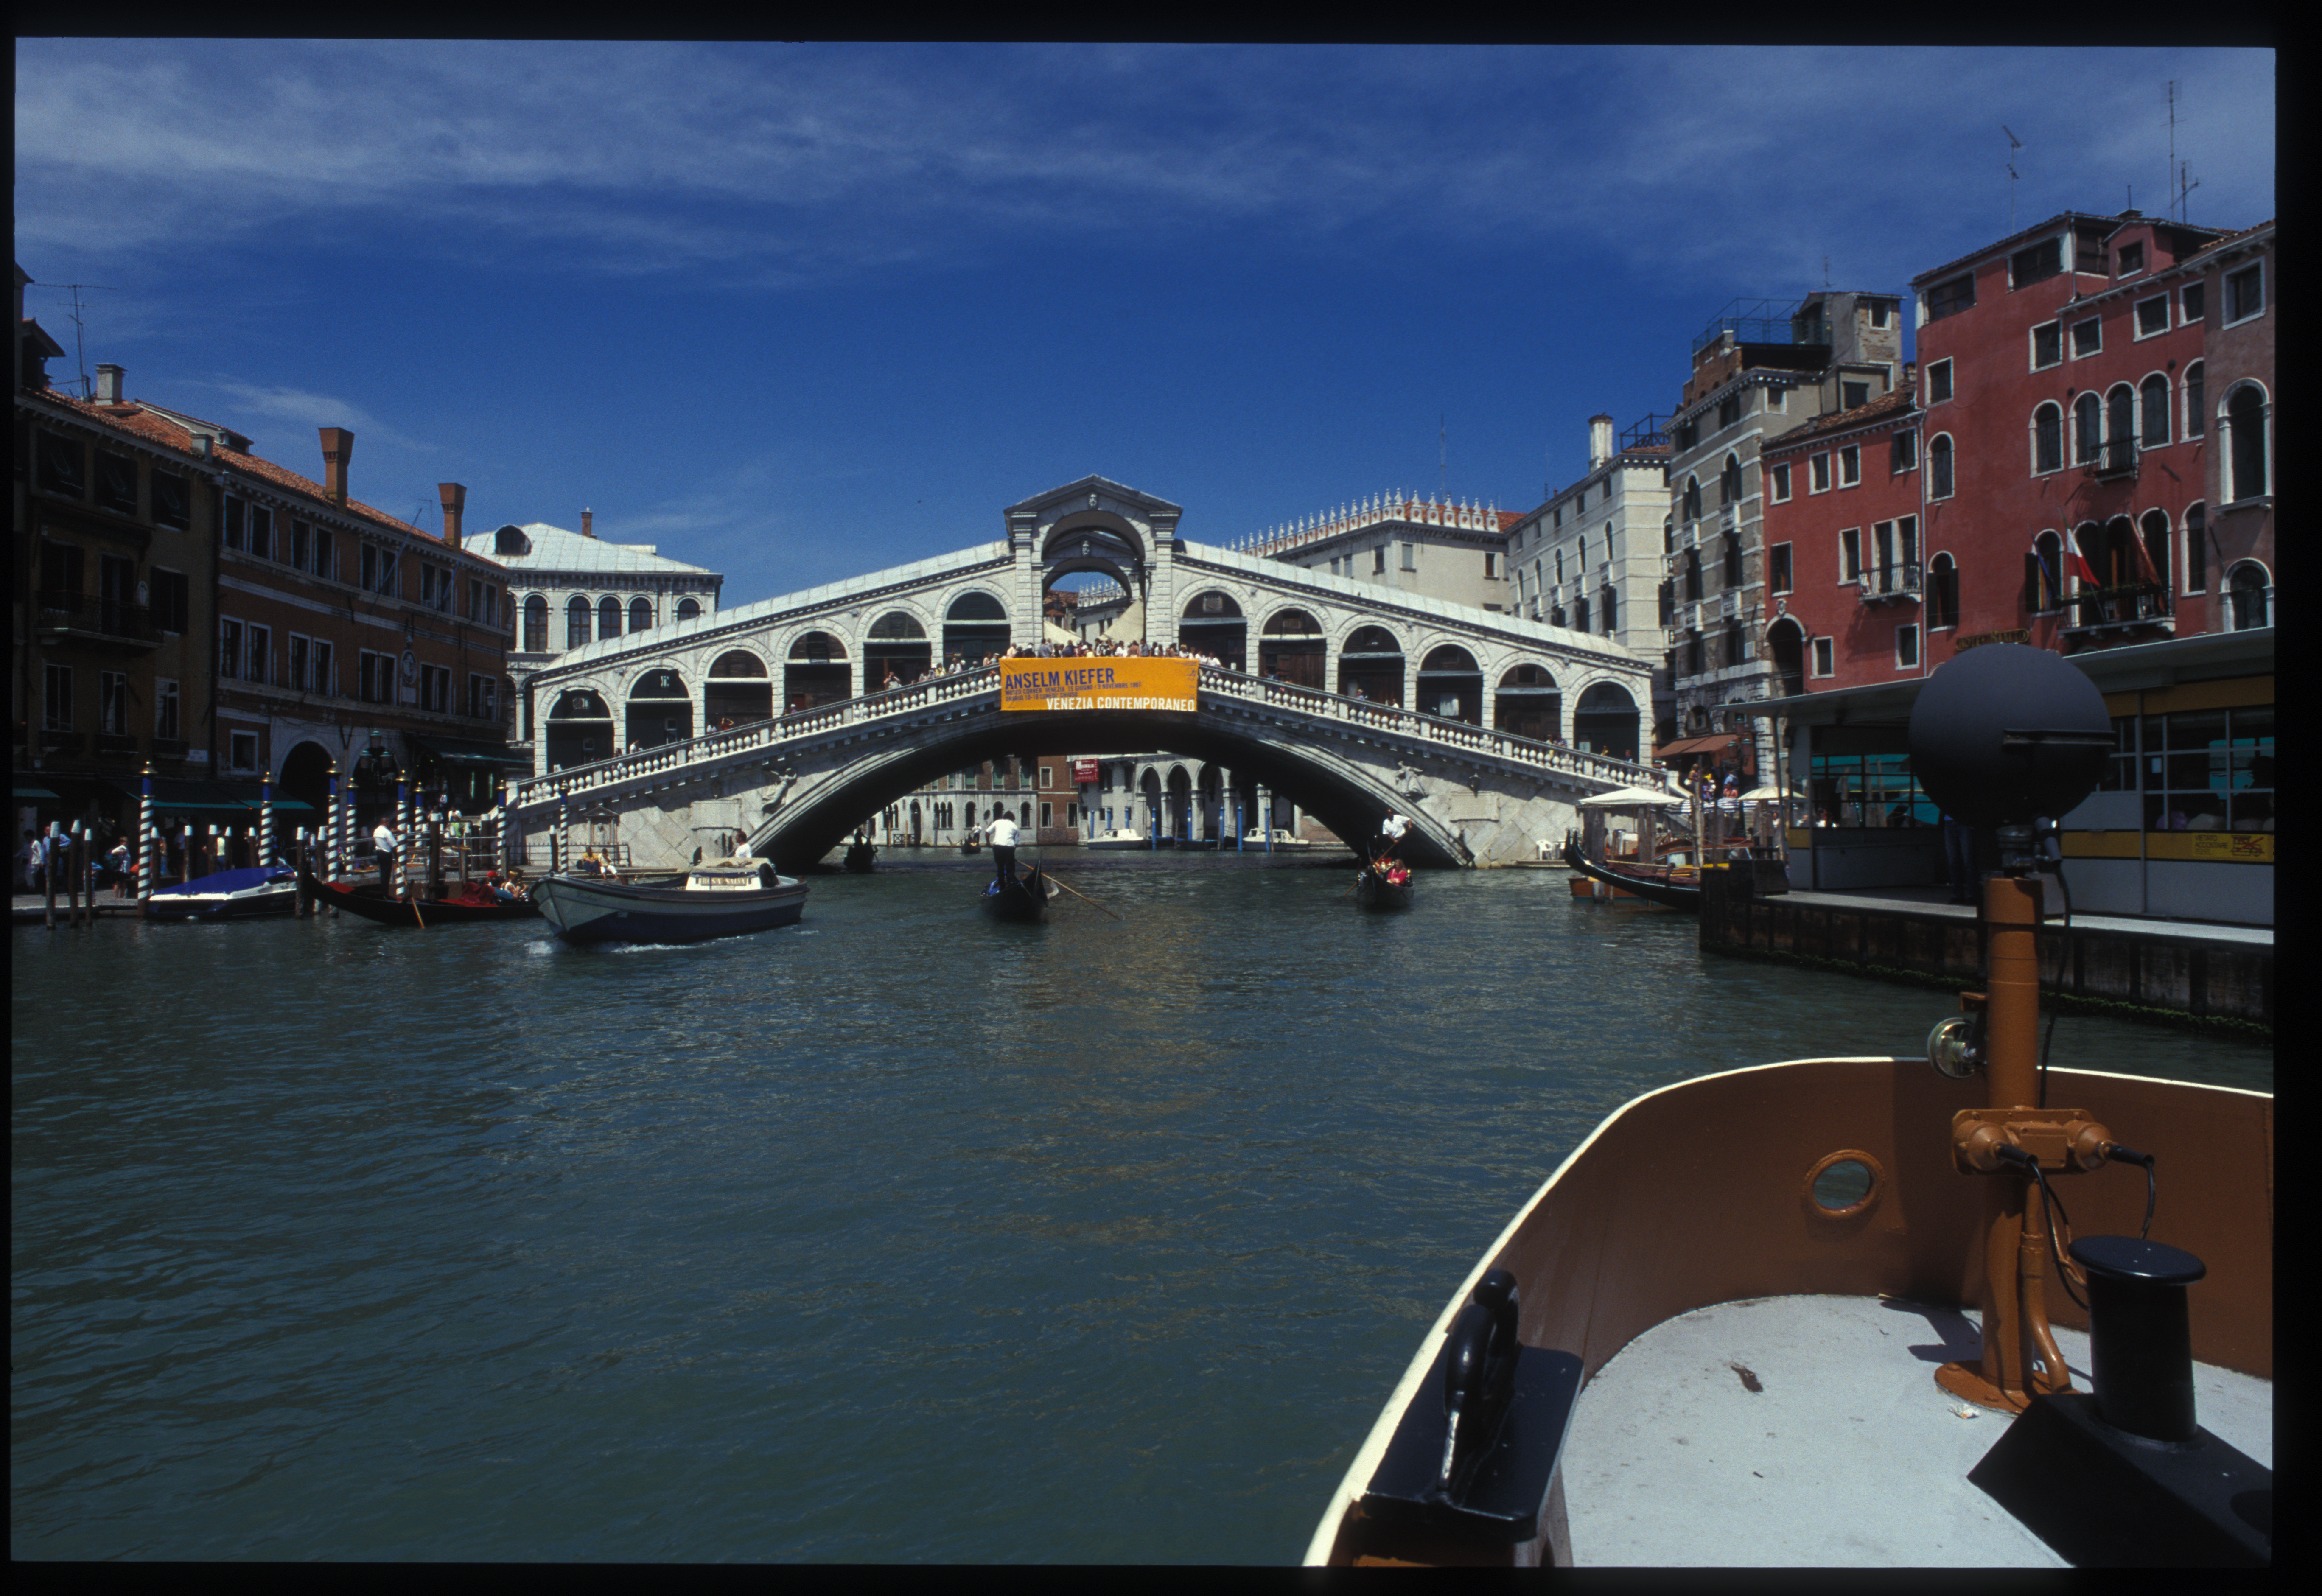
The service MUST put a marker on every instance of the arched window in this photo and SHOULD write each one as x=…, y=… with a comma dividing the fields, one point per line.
x=1669, y=534
x=1612, y=607
x=2196, y=548
x=1942, y=593
x=608, y=617
x=1693, y=498
x=817, y=647
x=897, y=626
x=1693, y=575
x=2247, y=591
x=688, y=609
x=536, y=625
x=576, y=621
x=2154, y=398
x=2048, y=438
x=738, y=662
x=2088, y=429
x=1728, y=482
x=640, y=613
x=2196, y=407
x=1733, y=559
x=2120, y=419
x=976, y=605
x=1292, y=623
x=2245, y=423
x=2154, y=530
x=1939, y=467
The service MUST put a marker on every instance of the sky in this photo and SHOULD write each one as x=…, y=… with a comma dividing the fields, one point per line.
x=795, y=312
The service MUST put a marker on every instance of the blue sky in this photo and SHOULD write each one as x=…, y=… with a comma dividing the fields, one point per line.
x=795, y=312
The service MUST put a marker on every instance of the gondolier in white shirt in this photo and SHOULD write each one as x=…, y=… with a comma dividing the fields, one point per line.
x=384, y=844
x=1393, y=829
x=1001, y=834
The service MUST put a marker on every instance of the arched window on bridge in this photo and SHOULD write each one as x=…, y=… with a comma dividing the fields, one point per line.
x=576, y=621
x=1605, y=721
x=608, y=617
x=1451, y=684
x=738, y=689
x=640, y=615
x=536, y=625
x=661, y=709
x=896, y=645
x=688, y=609
x=1213, y=624
x=817, y=673
x=1291, y=647
x=1371, y=666
x=1528, y=705
x=579, y=729
x=975, y=628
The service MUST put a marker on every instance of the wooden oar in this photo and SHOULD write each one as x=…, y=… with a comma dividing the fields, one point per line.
x=418, y=916
x=1076, y=892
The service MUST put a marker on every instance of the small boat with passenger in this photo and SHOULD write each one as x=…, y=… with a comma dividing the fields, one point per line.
x=229, y=895
x=1384, y=884
x=1026, y=897
x=725, y=897
x=471, y=903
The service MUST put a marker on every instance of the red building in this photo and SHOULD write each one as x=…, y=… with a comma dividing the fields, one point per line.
x=1852, y=591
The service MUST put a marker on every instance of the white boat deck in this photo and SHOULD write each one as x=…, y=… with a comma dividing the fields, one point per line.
x=1846, y=1454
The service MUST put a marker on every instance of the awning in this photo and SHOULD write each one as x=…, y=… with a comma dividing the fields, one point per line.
x=454, y=751
x=179, y=798
x=36, y=794
x=1715, y=744
x=1630, y=798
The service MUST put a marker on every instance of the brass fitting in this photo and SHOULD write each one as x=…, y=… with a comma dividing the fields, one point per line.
x=2065, y=1141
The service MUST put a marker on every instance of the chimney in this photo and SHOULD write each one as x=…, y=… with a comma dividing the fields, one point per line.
x=455, y=499
x=109, y=385
x=338, y=444
x=1600, y=441
x=588, y=524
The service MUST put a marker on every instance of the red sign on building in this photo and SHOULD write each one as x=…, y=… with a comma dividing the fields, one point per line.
x=1084, y=772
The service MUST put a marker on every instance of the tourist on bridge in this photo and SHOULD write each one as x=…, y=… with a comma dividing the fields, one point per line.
x=1001, y=834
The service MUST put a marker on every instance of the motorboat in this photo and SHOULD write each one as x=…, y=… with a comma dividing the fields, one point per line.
x=229, y=895
x=1026, y=897
x=1733, y=1326
x=723, y=899
x=473, y=904
x=1284, y=842
x=1121, y=841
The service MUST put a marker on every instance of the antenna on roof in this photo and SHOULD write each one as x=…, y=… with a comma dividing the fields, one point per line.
x=1826, y=271
x=2184, y=189
x=79, y=355
x=2014, y=144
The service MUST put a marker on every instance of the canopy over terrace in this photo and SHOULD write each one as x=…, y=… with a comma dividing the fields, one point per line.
x=1630, y=798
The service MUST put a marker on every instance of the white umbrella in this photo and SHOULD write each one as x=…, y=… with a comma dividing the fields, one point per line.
x=1630, y=798
x=1769, y=795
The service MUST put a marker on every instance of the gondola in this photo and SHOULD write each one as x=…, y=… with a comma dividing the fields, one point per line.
x=1374, y=890
x=229, y=895
x=367, y=901
x=1662, y=884
x=1025, y=899
x=724, y=899
x=859, y=857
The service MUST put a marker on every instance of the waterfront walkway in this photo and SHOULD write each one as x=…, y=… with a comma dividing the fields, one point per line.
x=1936, y=902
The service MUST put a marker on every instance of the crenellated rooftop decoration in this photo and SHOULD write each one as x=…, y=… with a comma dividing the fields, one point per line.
x=1381, y=509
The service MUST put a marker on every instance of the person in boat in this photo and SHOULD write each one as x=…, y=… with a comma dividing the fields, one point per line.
x=384, y=844
x=1390, y=831
x=1001, y=834
x=742, y=854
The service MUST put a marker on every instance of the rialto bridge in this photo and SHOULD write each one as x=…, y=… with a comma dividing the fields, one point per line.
x=777, y=719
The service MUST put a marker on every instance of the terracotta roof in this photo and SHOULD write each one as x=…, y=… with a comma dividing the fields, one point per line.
x=1896, y=402
x=156, y=427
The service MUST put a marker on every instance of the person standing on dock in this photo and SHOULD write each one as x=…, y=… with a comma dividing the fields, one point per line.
x=1001, y=834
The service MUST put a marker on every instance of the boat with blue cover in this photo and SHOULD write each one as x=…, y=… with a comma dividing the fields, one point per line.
x=229, y=895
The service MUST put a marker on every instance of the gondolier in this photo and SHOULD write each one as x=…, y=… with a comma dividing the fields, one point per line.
x=384, y=844
x=1393, y=829
x=1001, y=834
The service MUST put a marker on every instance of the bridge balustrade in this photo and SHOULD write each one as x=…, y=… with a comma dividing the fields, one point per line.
x=893, y=703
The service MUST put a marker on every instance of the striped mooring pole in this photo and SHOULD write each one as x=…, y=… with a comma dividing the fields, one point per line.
x=563, y=862
x=331, y=830
x=403, y=835
x=147, y=842
x=265, y=850
x=503, y=851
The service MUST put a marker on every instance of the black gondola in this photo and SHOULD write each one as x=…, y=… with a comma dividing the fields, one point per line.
x=1658, y=884
x=1024, y=898
x=1374, y=890
x=367, y=900
x=859, y=857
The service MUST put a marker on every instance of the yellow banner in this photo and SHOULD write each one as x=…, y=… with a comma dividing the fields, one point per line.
x=1100, y=682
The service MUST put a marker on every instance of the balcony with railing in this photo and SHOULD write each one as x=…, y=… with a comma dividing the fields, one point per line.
x=1895, y=583
x=92, y=618
x=2110, y=609
x=2115, y=460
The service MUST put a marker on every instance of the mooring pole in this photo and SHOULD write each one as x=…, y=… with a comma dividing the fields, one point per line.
x=147, y=869
x=403, y=835
x=265, y=850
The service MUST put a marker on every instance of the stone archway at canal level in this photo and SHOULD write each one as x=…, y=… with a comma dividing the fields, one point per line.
x=798, y=798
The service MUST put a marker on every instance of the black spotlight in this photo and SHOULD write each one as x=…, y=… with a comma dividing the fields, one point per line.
x=2003, y=734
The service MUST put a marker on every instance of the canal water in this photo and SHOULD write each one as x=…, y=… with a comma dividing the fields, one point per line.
x=897, y=1236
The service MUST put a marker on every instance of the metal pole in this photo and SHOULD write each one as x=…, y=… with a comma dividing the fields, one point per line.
x=563, y=861
x=74, y=850
x=265, y=851
x=331, y=834
x=146, y=868
x=403, y=837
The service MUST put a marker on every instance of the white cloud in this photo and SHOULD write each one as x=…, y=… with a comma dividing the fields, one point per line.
x=296, y=406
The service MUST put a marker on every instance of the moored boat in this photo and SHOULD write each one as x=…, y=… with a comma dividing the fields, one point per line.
x=1023, y=899
x=1284, y=842
x=1670, y=885
x=229, y=895
x=1119, y=841
x=474, y=906
x=726, y=898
